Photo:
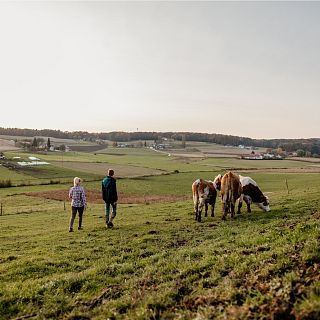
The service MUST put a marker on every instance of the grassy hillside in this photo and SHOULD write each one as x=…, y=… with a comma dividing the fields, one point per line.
x=158, y=262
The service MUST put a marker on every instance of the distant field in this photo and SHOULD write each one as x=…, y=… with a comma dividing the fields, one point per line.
x=30, y=175
x=102, y=168
x=255, y=164
x=6, y=174
x=57, y=140
x=6, y=145
x=131, y=162
x=205, y=149
x=86, y=148
x=314, y=160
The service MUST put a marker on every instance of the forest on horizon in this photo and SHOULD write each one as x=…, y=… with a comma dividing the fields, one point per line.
x=311, y=145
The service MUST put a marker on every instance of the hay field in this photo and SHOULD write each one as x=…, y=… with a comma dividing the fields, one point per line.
x=102, y=168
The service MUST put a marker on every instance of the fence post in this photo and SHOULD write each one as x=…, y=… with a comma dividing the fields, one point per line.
x=64, y=205
x=1, y=210
x=287, y=186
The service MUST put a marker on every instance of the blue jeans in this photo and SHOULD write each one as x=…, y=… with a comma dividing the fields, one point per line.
x=114, y=211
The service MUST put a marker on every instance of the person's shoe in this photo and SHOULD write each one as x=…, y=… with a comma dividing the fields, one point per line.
x=80, y=228
x=110, y=224
x=70, y=230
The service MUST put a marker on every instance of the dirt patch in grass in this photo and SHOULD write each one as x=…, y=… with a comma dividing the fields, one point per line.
x=94, y=196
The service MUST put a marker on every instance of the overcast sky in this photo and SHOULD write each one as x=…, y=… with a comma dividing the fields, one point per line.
x=240, y=68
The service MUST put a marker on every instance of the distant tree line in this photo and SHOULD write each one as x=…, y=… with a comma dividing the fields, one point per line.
x=310, y=146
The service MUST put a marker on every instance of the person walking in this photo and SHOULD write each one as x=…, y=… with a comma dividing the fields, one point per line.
x=78, y=203
x=110, y=197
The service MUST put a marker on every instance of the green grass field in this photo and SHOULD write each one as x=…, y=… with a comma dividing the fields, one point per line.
x=158, y=262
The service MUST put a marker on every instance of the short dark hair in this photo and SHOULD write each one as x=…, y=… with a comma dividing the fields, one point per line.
x=110, y=172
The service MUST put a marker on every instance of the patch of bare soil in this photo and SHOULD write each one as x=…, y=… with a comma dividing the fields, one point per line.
x=94, y=196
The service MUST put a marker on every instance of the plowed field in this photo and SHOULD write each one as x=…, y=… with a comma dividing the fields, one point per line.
x=94, y=196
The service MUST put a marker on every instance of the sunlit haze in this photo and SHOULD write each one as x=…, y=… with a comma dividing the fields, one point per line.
x=240, y=68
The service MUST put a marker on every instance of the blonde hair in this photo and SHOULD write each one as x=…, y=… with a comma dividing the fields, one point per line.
x=76, y=181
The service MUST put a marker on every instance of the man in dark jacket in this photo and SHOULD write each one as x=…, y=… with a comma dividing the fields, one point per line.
x=110, y=197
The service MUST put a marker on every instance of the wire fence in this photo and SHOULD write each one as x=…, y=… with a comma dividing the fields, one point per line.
x=58, y=205
x=11, y=210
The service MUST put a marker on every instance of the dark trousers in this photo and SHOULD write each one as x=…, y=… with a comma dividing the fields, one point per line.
x=73, y=216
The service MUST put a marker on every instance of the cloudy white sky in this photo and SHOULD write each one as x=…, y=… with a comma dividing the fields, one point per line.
x=241, y=68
